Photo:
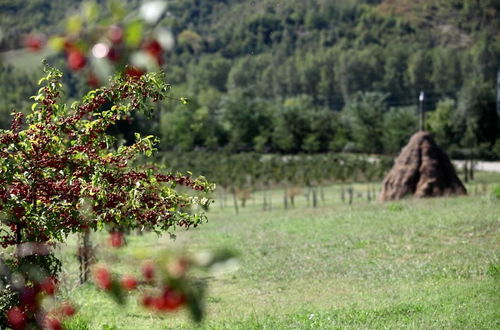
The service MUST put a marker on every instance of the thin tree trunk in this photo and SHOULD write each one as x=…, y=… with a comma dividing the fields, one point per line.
x=314, y=197
x=84, y=256
x=19, y=237
x=471, y=170
x=264, y=200
x=221, y=198
x=224, y=197
x=350, y=191
x=285, y=198
x=466, y=172
x=235, y=201
x=342, y=193
x=322, y=193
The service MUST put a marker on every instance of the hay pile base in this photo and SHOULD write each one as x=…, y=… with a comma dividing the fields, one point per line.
x=422, y=169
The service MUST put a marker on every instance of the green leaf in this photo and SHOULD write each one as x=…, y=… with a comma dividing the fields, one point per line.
x=56, y=43
x=117, y=292
x=133, y=33
x=90, y=11
x=74, y=24
x=117, y=10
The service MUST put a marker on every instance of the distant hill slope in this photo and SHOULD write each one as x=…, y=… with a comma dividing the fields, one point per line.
x=396, y=47
x=316, y=53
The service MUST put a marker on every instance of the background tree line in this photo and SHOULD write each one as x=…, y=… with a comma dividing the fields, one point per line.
x=312, y=76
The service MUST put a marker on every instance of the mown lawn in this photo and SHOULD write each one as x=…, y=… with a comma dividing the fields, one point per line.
x=431, y=263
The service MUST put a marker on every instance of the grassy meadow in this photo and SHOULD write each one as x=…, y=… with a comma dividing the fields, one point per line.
x=420, y=264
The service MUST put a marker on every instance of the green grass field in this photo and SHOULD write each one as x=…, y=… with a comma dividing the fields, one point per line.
x=422, y=264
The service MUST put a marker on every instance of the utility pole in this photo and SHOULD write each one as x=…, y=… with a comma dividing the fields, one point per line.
x=421, y=109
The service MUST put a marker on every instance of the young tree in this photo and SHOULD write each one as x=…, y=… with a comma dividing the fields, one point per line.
x=64, y=174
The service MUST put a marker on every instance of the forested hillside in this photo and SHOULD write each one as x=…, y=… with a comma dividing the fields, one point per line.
x=309, y=75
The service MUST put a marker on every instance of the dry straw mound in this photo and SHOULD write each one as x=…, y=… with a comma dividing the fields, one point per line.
x=422, y=169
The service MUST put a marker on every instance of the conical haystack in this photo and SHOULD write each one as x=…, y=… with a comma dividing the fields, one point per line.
x=422, y=169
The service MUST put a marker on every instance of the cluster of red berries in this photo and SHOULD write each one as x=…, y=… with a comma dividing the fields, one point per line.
x=29, y=312
x=17, y=122
x=163, y=298
x=7, y=138
x=167, y=300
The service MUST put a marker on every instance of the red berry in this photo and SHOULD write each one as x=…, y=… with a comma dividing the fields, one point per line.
x=68, y=310
x=113, y=55
x=129, y=282
x=173, y=299
x=76, y=60
x=133, y=72
x=52, y=323
x=158, y=303
x=148, y=270
x=169, y=300
x=103, y=278
x=34, y=43
x=115, y=34
x=49, y=285
x=146, y=301
x=16, y=318
x=93, y=81
x=155, y=50
x=116, y=239
x=28, y=299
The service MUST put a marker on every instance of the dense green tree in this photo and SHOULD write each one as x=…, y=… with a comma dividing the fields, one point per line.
x=476, y=114
x=419, y=72
x=365, y=115
x=399, y=124
x=446, y=73
x=440, y=123
x=395, y=66
x=210, y=71
x=299, y=125
x=243, y=118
